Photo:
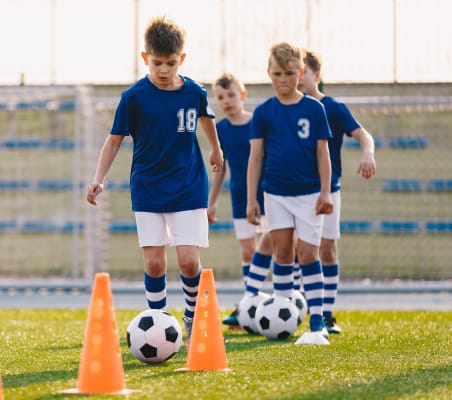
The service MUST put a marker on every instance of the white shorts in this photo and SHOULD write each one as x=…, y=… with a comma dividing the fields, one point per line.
x=296, y=212
x=181, y=228
x=246, y=230
x=331, y=222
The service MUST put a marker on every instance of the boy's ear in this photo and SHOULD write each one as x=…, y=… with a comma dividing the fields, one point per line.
x=301, y=73
x=145, y=57
x=244, y=95
x=182, y=58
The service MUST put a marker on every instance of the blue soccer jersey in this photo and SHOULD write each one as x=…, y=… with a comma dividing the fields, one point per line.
x=341, y=122
x=168, y=172
x=234, y=140
x=290, y=134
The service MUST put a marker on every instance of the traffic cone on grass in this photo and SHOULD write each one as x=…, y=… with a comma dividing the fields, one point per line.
x=207, y=351
x=101, y=370
x=1, y=388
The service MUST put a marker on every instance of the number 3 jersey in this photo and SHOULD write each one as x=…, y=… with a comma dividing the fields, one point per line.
x=168, y=172
x=290, y=134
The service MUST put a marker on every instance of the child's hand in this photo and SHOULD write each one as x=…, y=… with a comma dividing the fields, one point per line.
x=94, y=189
x=324, y=204
x=216, y=160
x=367, y=166
x=253, y=213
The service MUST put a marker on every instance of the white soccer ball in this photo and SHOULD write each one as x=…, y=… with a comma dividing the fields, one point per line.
x=301, y=303
x=246, y=311
x=277, y=318
x=154, y=336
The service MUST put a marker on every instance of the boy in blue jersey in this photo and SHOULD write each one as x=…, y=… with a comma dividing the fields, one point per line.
x=289, y=147
x=233, y=133
x=342, y=123
x=168, y=179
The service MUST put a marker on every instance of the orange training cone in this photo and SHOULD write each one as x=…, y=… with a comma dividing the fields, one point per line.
x=207, y=351
x=1, y=388
x=101, y=369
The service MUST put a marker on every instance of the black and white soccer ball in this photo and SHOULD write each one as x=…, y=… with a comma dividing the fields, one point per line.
x=277, y=318
x=246, y=311
x=301, y=303
x=154, y=336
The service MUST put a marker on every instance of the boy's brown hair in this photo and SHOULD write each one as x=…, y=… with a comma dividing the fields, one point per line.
x=163, y=37
x=312, y=60
x=227, y=79
x=284, y=53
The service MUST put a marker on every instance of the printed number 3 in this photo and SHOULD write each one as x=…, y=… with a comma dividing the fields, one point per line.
x=303, y=124
x=187, y=120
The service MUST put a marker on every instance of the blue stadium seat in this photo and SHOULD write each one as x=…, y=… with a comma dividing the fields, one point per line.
x=22, y=143
x=122, y=226
x=53, y=185
x=406, y=142
x=439, y=185
x=59, y=144
x=438, y=227
x=222, y=226
x=8, y=226
x=402, y=185
x=14, y=185
x=351, y=143
x=399, y=227
x=36, y=226
x=357, y=227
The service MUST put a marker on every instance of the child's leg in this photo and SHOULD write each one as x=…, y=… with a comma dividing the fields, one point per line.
x=154, y=276
x=282, y=240
x=260, y=265
x=247, y=247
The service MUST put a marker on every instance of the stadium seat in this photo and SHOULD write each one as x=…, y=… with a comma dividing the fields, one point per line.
x=222, y=226
x=53, y=185
x=351, y=143
x=122, y=226
x=405, y=142
x=439, y=185
x=14, y=185
x=8, y=226
x=399, y=227
x=438, y=227
x=36, y=226
x=357, y=227
x=402, y=185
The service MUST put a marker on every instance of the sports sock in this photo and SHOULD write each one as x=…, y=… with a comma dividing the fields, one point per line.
x=190, y=289
x=331, y=276
x=155, y=291
x=313, y=286
x=245, y=272
x=260, y=265
x=296, y=275
x=282, y=279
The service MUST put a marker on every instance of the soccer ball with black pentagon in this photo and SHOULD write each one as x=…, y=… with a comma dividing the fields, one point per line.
x=154, y=336
x=277, y=318
x=300, y=301
x=246, y=311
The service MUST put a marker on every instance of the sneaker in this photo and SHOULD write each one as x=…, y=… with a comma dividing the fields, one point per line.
x=331, y=326
x=188, y=322
x=232, y=320
x=314, y=338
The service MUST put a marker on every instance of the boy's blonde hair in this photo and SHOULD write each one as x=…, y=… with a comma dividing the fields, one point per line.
x=163, y=37
x=284, y=53
x=227, y=79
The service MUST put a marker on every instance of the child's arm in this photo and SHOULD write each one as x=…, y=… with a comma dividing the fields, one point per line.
x=216, y=154
x=324, y=203
x=107, y=155
x=367, y=166
x=215, y=189
x=255, y=161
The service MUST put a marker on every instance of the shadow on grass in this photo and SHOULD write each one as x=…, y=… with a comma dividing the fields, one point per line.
x=33, y=378
x=394, y=386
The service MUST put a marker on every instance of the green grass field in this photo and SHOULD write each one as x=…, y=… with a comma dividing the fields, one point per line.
x=380, y=355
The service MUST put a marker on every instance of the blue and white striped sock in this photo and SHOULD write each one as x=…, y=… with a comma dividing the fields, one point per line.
x=282, y=279
x=155, y=291
x=245, y=272
x=190, y=288
x=313, y=286
x=296, y=275
x=331, y=276
x=259, y=268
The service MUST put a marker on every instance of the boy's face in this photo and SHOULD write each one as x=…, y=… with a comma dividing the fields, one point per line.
x=230, y=99
x=309, y=81
x=163, y=69
x=284, y=80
